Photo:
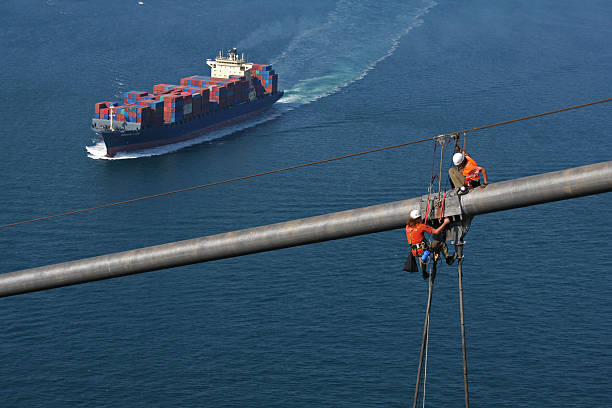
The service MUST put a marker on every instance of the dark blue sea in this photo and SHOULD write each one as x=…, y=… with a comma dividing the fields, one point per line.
x=336, y=324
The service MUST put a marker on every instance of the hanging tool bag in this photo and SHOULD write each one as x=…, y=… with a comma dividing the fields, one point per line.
x=411, y=264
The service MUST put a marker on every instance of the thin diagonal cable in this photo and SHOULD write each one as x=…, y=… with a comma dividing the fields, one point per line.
x=302, y=165
x=584, y=105
x=265, y=173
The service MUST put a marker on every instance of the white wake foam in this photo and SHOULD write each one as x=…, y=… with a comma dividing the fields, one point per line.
x=321, y=60
x=357, y=35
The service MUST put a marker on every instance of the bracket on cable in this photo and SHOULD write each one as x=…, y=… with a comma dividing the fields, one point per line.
x=442, y=139
x=446, y=136
x=436, y=208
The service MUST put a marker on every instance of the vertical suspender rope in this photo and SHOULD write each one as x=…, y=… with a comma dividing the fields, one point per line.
x=425, y=368
x=459, y=246
x=424, y=343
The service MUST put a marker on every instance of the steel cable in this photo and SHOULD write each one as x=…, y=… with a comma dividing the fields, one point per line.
x=265, y=173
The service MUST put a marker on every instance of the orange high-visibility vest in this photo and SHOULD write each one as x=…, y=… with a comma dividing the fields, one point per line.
x=416, y=235
x=470, y=170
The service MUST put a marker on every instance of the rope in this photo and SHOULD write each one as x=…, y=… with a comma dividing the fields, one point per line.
x=441, y=163
x=447, y=183
x=425, y=340
x=459, y=252
x=265, y=173
x=425, y=363
x=433, y=162
x=427, y=210
x=431, y=181
x=584, y=105
x=442, y=207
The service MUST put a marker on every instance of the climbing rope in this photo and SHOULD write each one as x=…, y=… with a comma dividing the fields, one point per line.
x=442, y=143
x=431, y=181
x=425, y=364
x=442, y=206
x=459, y=249
x=265, y=173
x=425, y=340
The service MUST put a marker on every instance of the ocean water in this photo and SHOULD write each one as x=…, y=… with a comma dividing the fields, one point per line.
x=333, y=324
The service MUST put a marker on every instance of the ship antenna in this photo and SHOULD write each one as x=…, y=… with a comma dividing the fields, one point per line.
x=111, y=117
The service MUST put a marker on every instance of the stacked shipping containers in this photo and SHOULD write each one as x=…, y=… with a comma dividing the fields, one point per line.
x=241, y=88
x=264, y=79
x=102, y=111
x=196, y=95
x=173, y=108
x=195, y=80
x=162, y=88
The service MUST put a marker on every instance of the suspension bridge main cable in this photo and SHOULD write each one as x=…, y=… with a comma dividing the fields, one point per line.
x=265, y=173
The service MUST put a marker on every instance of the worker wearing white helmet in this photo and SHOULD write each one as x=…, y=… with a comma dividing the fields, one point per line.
x=415, y=233
x=467, y=173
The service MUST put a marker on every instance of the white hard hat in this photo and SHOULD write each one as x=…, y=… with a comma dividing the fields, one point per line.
x=414, y=214
x=458, y=158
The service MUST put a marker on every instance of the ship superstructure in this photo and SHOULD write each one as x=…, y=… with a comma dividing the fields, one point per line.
x=232, y=64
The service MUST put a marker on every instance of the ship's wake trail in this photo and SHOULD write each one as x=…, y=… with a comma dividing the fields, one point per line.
x=356, y=36
x=98, y=150
x=347, y=44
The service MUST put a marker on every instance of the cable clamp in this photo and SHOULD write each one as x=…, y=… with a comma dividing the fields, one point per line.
x=441, y=139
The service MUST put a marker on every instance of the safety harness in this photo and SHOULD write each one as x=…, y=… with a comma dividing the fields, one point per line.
x=421, y=245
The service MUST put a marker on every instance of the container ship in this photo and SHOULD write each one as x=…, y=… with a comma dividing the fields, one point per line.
x=235, y=91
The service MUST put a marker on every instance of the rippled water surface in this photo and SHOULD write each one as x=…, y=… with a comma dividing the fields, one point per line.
x=333, y=324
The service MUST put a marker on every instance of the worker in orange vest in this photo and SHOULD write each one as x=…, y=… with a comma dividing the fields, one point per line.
x=415, y=233
x=467, y=173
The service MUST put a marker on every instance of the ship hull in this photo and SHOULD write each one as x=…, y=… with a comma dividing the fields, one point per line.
x=146, y=138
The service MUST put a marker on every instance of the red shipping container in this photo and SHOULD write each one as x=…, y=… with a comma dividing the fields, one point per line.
x=102, y=105
x=160, y=87
x=184, y=81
